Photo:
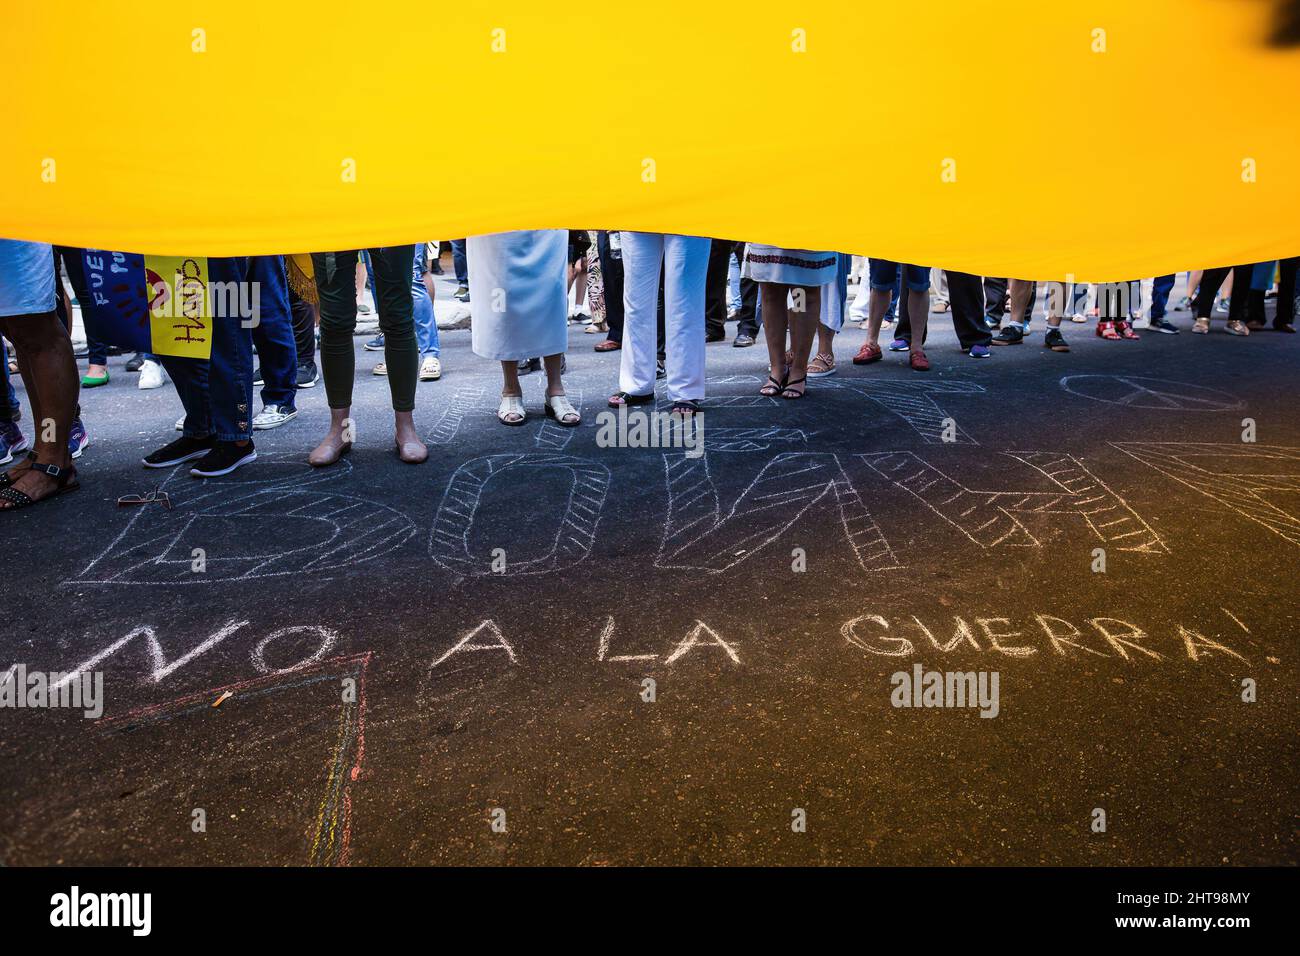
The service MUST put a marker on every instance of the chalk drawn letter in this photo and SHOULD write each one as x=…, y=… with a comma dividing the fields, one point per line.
x=574, y=533
x=698, y=536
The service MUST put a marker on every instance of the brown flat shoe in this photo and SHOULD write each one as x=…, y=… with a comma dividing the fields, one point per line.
x=412, y=452
x=327, y=453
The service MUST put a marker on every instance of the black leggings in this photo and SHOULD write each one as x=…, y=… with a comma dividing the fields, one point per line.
x=336, y=282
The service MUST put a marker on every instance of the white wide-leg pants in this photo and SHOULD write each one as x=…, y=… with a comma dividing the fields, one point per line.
x=685, y=261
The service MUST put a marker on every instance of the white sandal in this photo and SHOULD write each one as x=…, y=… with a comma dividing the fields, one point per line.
x=511, y=405
x=561, y=409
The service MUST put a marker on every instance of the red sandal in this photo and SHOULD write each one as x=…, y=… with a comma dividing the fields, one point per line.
x=1106, y=330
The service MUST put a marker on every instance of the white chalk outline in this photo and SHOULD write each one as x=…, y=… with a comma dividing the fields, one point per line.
x=575, y=533
x=1238, y=492
x=1168, y=400
x=1082, y=494
x=695, y=511
x=244, y=499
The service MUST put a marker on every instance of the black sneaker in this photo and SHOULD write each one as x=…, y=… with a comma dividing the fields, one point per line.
x=1164, y=326
x=258, y=382
x=224, y=458
x=181, y=450
x=743, y=341
x=660, y=370
x=718, y=335
x=529, y=365
x=308, y=375
x=461, y=294
x=134, y=362
x=1055, y=341
x=1011, y=335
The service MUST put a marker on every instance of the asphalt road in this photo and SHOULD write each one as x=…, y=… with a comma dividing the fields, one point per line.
x=447, y=663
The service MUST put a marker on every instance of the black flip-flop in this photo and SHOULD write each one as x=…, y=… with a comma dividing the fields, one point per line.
x=686, y=406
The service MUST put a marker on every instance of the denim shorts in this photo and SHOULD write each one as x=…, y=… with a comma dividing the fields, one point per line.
x=885, y=273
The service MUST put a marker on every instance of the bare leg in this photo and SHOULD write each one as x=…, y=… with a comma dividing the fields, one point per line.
x=554, y=379
x=876, y=309
x=825, y=340
x=1021, y=290
x=775, y=322
x=803, y=329
x=50, y=375
x=918, y=310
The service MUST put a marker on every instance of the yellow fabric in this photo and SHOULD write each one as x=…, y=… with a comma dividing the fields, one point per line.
x=817, y=125
x=180, y=306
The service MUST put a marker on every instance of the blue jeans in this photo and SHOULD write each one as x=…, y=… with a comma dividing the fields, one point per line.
x=458, y=262
x=884, y=275
x=426, y=329
x=1160, y=289
x=277, y=350
x=218, y=393
x=10, y=410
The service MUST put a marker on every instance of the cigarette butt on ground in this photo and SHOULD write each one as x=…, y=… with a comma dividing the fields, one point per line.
x=217, y=702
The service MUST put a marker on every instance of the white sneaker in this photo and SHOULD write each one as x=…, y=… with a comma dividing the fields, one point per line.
x=152, y=374
x=273, y=416
x=431, y=370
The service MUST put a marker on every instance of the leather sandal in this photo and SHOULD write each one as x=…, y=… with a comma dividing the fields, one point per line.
x=65, y=480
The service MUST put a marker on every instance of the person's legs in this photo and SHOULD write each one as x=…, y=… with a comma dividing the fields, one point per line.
x=611, y=274
x=334, y=272
x=1161, y=287
x=273, y=337
x=426, y=328
x=460, y=266
x=304, y=329
x=1211, y=279
x=686, y=264
x=715, y=290
x=883, y=276
x=643, y=254
x=50, y=375
x=775, y=324
x=338, y=319
x=392, y=266
x=966, y=297
x=803, y=321
x=1284, y=319
x=917, y=280
x=995, y=300
x=747, y=318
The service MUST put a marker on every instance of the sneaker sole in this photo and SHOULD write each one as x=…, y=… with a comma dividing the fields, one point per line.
x=430, y=378
x=311, y=384
x=176, y=461
x=250, y=457
x=263, y=427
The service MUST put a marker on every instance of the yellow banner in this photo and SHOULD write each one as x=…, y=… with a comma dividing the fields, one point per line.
x=1099, y=139
x=180, y=306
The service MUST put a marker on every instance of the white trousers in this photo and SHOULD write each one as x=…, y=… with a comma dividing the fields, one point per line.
x=685, y=262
